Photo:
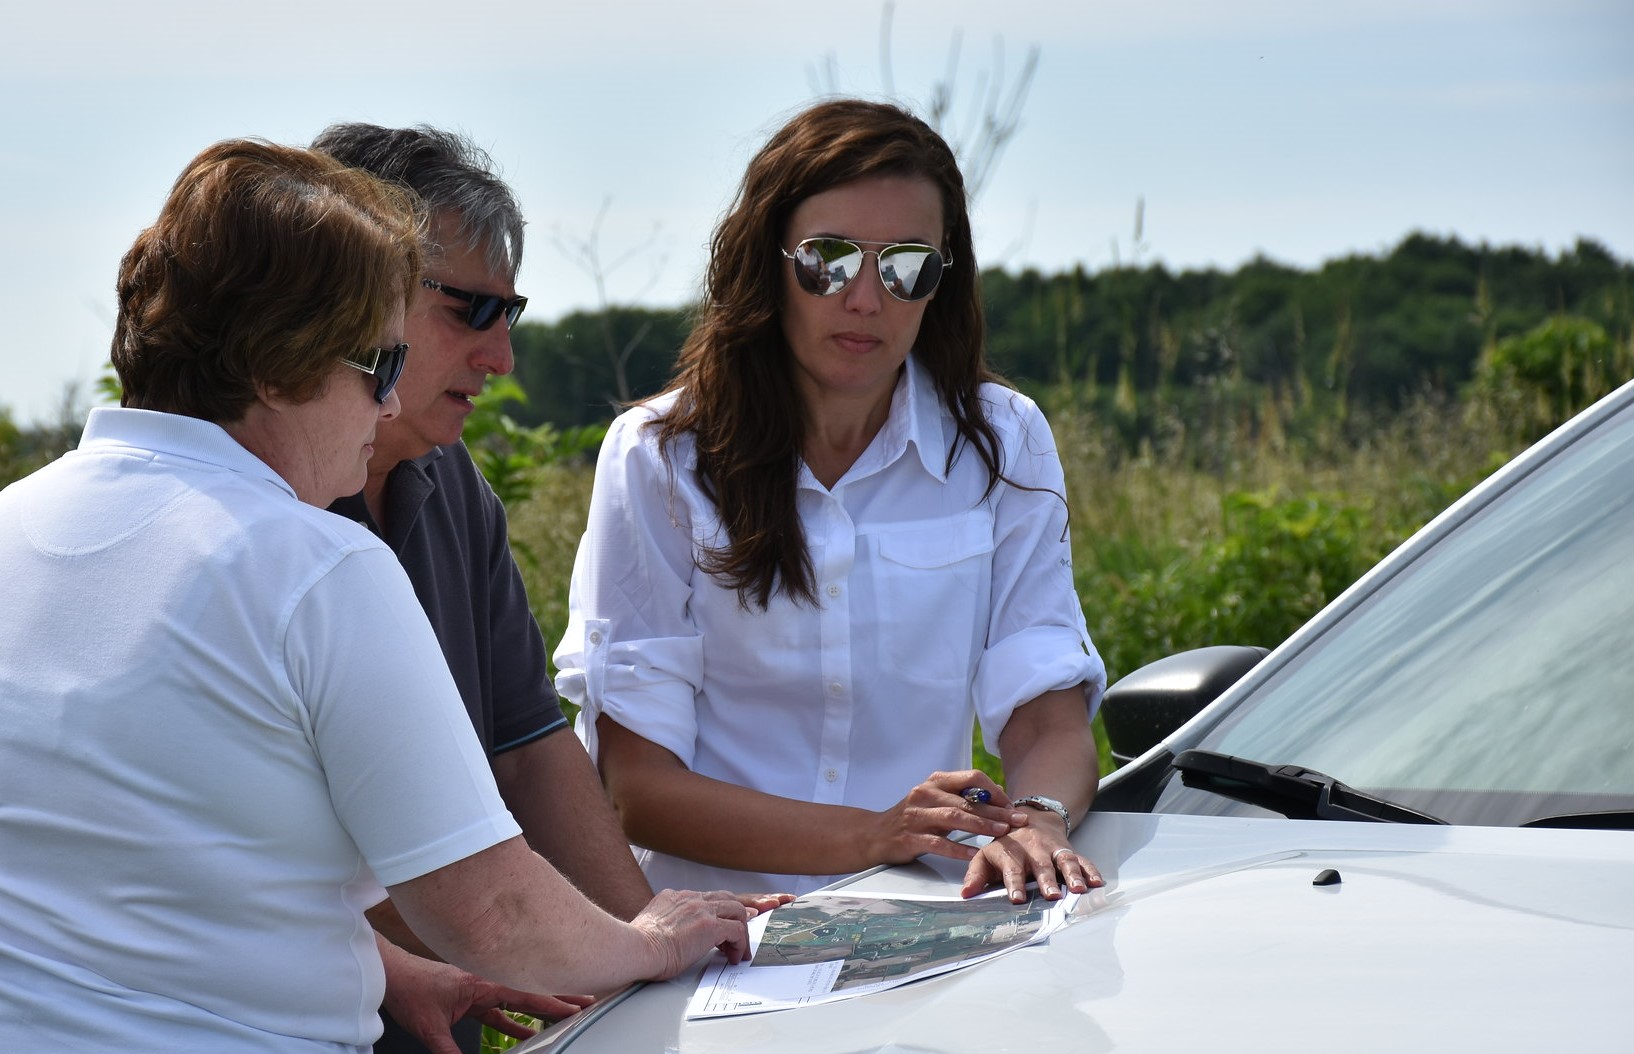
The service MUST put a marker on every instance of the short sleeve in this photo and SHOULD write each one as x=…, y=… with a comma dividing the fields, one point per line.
x=406, y=774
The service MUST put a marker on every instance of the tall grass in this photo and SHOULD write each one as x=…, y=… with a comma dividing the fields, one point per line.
x=1170, y=554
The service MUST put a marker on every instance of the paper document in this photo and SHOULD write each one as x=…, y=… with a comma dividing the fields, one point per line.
x=828, y=946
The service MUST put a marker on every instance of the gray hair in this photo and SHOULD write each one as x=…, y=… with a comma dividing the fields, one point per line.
x=451, y=174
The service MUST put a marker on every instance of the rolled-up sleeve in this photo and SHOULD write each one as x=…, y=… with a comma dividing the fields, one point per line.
x=631, y=650
x=1037, y=640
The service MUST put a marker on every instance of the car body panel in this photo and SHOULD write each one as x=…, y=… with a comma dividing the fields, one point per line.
x=1210, y=935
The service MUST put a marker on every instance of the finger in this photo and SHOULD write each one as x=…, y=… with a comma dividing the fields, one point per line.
x=978, y=877
x=1078, y=872
x=730, y=905
x=1015, y=882
x=936, y=845
x=736, y=946
x=1049, y=884
x=970, y=780
x=998, y=862
x=963, y=818
x=555, y=1008
x=540, y=1005
x=764, y=901
x=500, y=1021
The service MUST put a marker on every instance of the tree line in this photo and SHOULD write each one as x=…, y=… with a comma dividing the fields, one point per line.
x=1189, y=363
x=1170, y=357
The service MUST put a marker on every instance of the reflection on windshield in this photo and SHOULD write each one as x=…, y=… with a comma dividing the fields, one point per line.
x=1501, y=661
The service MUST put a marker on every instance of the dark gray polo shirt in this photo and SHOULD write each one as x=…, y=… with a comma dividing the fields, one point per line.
x=447, y=528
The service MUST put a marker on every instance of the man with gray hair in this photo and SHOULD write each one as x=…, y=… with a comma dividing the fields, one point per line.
x=426, y=499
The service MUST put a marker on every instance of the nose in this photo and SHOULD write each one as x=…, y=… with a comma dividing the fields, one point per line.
x=492, y=353
x=865, y=294
x=389, y=409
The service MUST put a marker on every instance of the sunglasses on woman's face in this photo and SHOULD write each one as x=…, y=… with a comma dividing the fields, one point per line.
x=384, y=364
x=824, y=266
x=485, y=308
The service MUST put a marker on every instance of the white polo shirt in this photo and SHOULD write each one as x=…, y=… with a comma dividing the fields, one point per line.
x=222, y=715
x=939, y=608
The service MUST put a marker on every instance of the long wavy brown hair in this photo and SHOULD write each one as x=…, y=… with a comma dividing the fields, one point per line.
x=735, y=378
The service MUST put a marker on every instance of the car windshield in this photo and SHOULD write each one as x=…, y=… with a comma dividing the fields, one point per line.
x=1491, y=681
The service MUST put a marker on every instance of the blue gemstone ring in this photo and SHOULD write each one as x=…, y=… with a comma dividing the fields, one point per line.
x=975, y=796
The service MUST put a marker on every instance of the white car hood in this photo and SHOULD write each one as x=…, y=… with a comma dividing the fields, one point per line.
x=1211, y=936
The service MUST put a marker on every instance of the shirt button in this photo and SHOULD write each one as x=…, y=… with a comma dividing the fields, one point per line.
x=833, y=591
x=595, y=636
x=835, y=688
x=831, y=775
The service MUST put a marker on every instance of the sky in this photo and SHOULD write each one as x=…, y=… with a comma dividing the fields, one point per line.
x=1301, y=130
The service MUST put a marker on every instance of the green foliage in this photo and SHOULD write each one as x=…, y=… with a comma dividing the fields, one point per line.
x=1553, y=370
x=1280, y=560
x=22, y=450
x=1175, y=363
x=508, y=453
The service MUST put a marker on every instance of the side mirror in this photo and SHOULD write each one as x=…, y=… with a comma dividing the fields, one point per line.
x=1147, y=705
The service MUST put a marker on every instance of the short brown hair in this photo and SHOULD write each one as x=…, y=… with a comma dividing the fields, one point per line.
x=266, y=265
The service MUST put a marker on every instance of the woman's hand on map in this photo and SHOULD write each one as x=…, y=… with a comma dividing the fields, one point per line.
x=1037, y=852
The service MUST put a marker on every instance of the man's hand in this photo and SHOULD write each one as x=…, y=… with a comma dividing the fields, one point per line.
x=426, y=998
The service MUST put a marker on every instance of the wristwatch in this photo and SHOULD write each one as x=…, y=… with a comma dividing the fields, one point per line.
x=1038, y=801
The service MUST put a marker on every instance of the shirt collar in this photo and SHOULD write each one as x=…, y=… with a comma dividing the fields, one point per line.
x=926, y=418
x=915, y=419
x=175, y=435
x=408, y=486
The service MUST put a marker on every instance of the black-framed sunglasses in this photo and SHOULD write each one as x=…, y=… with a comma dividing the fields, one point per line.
x=485, y=308
x=384, y=364
x=910, y=272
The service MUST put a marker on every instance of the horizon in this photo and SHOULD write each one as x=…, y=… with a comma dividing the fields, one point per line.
x=1274, y=129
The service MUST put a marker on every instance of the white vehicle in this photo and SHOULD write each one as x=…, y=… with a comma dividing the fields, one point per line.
x=1408, y=828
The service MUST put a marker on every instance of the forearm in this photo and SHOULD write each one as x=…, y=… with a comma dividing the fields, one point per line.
x=526, y=927
x=553, y=792
x=1048, y=749
x=388, y=923
x=669, y=808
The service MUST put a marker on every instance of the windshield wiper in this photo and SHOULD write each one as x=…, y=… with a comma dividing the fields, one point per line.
x=1294, y=791
x=1611, y=820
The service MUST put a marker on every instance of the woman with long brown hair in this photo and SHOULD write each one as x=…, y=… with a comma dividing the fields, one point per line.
x=833, y=545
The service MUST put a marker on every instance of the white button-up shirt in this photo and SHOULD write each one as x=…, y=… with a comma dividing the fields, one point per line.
x=938, y=608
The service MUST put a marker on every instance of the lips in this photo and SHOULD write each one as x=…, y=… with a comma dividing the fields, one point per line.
x=857, y=343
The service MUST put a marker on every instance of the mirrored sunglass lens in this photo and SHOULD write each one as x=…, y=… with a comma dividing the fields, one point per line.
x=910, y=272
x=825, y=265
x=513, y=310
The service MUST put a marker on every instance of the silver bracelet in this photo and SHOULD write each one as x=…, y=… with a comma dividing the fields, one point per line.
x=1038, y=801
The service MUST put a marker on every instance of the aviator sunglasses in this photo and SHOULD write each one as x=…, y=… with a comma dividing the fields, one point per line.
x=485, y=308
x=824, y=266
x=384, y=364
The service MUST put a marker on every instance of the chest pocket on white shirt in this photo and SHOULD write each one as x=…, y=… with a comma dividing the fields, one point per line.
x=934, y=585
